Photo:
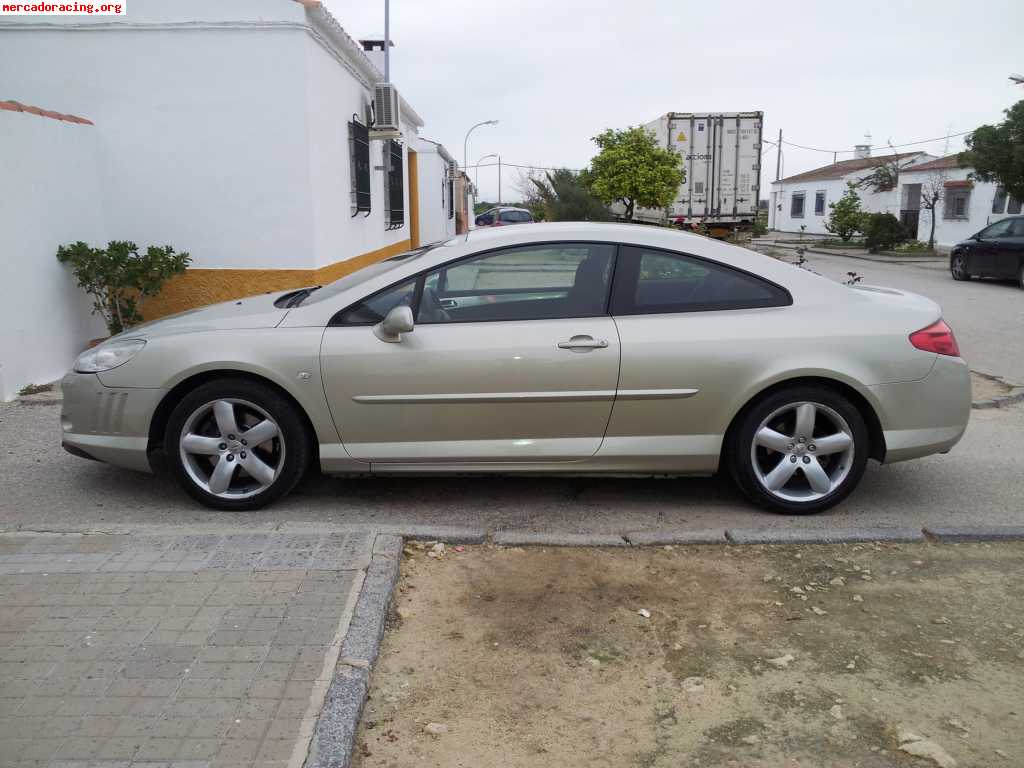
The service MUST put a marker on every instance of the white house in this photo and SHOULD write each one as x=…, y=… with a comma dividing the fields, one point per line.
x=234, y=131
x=802, y=200
x=965, y=206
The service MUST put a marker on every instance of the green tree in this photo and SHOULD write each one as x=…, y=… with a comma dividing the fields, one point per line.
x=565, y=196
x=632, y=169
x=996, y=152
x=845, y=215
x=118, y=277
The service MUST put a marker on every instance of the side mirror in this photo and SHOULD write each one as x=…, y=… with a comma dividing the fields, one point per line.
x=395, y=323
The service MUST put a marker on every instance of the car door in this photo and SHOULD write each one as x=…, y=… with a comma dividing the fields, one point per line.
x=982, y=254
x=513, y=358
x=693, y=332
x=1008, y=249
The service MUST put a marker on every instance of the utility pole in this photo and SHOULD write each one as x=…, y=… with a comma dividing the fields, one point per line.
x=387, y=41
x=778, y=157
x=499, y=179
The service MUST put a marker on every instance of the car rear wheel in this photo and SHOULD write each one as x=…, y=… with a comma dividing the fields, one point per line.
x=799, y=450
x=1020, y=276
x=236, y=444
x=958, y=267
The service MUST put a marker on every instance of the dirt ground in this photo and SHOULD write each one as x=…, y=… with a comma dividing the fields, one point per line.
x=985, y=387
x=751, y=656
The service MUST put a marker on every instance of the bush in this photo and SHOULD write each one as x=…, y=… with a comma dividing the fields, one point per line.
x=118, y=277
x=845, y=217
x=882, y=231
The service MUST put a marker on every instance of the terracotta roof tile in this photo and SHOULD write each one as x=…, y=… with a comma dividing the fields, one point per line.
x=17, y=106
x=949, y=161
x=843, y=167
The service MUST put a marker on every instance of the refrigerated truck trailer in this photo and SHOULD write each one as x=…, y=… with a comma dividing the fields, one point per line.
x=721, y=154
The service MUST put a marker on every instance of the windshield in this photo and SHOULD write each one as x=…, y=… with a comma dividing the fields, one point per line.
x=362, y=275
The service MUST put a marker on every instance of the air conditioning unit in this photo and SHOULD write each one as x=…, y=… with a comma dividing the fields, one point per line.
x=386, y=108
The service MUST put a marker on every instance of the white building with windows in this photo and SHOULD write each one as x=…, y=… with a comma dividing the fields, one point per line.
x=799, y=203
x=238, y=132
x=965, y=206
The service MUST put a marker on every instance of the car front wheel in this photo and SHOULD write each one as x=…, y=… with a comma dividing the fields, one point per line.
x=800, y=450
x=236, y=444
x=958, y=267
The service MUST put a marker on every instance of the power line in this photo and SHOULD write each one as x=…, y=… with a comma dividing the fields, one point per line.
x=879, y=146
x=531, y=167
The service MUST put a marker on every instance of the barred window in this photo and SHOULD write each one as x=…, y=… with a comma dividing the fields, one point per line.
x=359, y=165
x=394, y=185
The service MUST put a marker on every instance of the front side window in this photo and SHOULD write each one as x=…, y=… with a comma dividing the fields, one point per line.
x=372, y=310
x=535, y=282
x=796, y=205
x=649, y=281
x=1017, y=228
x=485, y=219
x=515, y=217
x=999, y=229
x=819, y=203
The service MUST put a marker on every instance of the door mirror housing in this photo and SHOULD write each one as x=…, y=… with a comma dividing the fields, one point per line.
x=395, y=323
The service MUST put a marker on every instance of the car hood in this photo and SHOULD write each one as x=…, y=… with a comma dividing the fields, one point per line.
x=251, y=312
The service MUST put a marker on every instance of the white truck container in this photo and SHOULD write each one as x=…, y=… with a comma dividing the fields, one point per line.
x=721, y=154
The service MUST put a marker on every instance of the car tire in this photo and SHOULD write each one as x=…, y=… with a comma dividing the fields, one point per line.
x=771, y=442
x=1020, y=276
x=208, y=452
x=958, y=267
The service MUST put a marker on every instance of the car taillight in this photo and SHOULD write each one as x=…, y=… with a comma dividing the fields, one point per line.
x=937, y=337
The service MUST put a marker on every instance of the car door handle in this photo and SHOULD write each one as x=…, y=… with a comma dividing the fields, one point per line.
x=583, y=342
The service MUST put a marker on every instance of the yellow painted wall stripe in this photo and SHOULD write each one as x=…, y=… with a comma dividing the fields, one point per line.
x=199, y=287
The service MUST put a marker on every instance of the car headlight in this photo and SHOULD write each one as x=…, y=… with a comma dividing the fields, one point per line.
x=108, y=355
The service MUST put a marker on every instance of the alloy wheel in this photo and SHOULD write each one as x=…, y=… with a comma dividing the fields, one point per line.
x=959, y=268
x=802, y=452
x=231, y=448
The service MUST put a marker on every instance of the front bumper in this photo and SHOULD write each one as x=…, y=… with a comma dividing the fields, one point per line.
x=109, y=424
x=929, y=416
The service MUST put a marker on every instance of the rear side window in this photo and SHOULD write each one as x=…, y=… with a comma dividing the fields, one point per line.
x=649, y=281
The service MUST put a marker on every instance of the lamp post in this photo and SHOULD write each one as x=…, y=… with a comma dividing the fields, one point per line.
x=465, y=143
x=477, y=181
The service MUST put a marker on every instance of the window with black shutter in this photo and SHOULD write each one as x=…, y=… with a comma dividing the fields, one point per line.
x=359, y=159
x=394, y=185
x=451, y=197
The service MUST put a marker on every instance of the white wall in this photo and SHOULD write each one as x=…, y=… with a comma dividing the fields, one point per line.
x=871, y=202
x=435, y=224
x=949, y=232
x=50, y=196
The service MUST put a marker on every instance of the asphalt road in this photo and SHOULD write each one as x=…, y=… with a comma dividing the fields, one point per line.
x=980, y=483
x=42, y=488
x=986, y=315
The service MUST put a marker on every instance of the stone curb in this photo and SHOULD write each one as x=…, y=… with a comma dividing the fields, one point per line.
x=831, y=536
x=980, y=533
x=535, y=539
x=362, y=641
x=678, y=536
x=449, y=534
x=1015, y=395
x=335, y=734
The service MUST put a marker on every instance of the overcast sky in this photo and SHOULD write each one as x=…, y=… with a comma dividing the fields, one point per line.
x=557, y=72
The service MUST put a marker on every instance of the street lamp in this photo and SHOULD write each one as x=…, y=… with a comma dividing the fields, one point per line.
x=477, y=181
x=465, y=143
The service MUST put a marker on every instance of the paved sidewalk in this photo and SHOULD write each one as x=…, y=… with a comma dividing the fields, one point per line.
x=203, y=650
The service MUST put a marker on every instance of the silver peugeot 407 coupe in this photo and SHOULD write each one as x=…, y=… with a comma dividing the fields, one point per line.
x=550, y=348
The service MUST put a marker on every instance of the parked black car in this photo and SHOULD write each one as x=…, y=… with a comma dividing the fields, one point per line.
x=997, y=251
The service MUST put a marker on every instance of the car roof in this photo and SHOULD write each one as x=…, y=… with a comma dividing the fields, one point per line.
x=803, y=284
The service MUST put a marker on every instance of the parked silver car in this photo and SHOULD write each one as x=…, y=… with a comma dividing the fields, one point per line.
x=557, y=348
